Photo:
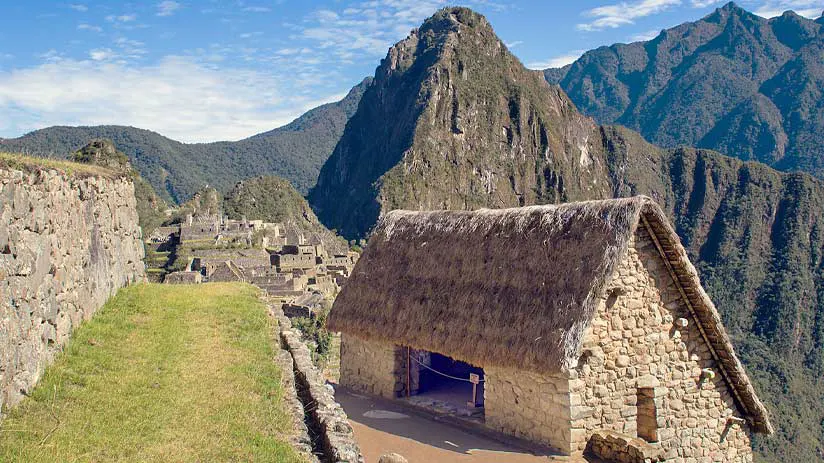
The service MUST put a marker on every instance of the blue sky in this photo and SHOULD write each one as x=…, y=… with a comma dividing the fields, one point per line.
x=224, y=70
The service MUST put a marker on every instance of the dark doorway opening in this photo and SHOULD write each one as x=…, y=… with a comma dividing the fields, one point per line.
x=451, y=381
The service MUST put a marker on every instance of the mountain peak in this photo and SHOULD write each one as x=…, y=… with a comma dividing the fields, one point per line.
x=731, y=6
x=454, y=120
x=730, y=10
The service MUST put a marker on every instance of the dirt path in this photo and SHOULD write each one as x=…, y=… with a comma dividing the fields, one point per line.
x=383, y=427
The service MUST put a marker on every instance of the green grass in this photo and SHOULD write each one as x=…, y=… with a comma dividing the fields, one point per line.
x=30, y=164
x=161, y=373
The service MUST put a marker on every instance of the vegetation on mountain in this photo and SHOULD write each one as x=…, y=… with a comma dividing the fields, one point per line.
x=453, y=120
x=268, y=198
x=205, y=203
x=177, y=170
x=156, y=377
x=102, y=152
x=274, y=199
x=746, y=86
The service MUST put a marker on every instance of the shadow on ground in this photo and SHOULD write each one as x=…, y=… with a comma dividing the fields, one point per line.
x=383, y=426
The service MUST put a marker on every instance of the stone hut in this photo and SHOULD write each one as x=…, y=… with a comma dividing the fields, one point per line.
x=588, y=321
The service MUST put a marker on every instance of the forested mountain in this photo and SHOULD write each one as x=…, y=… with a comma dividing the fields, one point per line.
x=453, y=120
x=749, y=87
x=177, y=170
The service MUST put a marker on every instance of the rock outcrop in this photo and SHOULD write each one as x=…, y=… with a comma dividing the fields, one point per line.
x=67, y=243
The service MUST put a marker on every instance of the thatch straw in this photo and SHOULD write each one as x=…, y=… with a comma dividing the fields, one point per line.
x=508, y=287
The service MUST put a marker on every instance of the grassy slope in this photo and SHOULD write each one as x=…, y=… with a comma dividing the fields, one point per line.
x=30, y=164
x=162, y=373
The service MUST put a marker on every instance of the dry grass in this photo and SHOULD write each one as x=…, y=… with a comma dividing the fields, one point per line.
x=34, y=164
x=508, y=287
x=162, y=373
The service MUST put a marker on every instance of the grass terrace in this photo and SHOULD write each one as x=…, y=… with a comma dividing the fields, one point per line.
x=161, y=373
x=33, y=164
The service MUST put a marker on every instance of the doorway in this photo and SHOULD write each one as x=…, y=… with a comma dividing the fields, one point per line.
x=448, y=382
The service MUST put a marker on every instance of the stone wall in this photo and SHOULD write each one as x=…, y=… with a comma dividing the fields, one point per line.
x=371, y=367
x=324, y=415
x=644, y=343
x=66, y=244
x=528, y=405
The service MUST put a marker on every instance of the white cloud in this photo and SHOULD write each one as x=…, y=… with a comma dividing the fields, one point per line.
x=167, y=8
x=89, y=27
x=704, y=3
x=807, y=8
x=556, y=62
x=123, y=18
x=177, y=97
x=513, y=44
x=363, y=30
x=644, y=36
x=79, y=7
x=624, y=13
x=257, y=9
x=101, y=54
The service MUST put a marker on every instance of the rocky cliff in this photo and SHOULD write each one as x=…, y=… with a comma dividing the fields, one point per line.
x=453, y=120
x=68, y=241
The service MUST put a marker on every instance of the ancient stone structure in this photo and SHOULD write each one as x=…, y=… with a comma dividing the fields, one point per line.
x=280, y=258
x=183, y=278
x=335, y=436
x=590, y=324
x=67, y=243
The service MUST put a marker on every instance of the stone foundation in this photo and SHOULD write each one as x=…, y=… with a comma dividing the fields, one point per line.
x=609, y=446
x=528, y=405
x=372, y=367
x=66, y=245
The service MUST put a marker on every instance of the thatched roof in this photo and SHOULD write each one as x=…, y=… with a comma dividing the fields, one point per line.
x=514, y=287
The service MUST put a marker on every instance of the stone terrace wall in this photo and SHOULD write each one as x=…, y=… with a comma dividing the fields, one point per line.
x=66, y=244
x=635, y=343
x=371, y=367
x=325, y=415
x=528, y=405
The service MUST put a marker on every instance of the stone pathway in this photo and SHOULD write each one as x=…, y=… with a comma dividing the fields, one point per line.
x=383, y=427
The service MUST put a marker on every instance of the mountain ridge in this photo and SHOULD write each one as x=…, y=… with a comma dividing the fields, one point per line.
x=732, y=82
x=177, y=170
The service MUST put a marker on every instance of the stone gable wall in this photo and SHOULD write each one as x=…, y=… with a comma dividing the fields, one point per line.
x=635, y=341
x=66, y=245
x=528, y=405
x=371, y=367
